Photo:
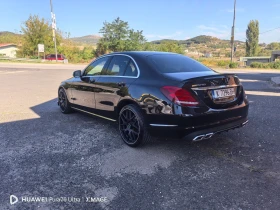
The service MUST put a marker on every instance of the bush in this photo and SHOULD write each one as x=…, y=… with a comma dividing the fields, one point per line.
x=233, y=65
x=255, y=65
x=223, y=63
x=33, y=57
x=274, y=65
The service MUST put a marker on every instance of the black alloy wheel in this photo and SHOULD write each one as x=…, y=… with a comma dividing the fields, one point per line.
x=131, y=126
x=63, y=102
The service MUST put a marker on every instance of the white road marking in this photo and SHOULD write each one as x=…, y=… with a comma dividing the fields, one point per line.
x=261, y=93
x=250, y=80
x=11, y=72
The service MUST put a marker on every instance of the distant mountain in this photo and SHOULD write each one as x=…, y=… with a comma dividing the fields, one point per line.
x=3, y=33
x=89, y=39
x=10, y=37
x=202, y=39
x=9, y=34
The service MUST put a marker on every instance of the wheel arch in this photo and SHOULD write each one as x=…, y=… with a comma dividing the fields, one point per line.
x=123, y=103
x=65, y=90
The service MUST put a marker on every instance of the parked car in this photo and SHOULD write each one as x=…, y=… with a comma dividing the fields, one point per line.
x=51, y=57
x=156, y=94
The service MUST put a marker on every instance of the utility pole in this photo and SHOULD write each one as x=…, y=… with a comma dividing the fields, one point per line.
x=53, y=29
x=232, y=33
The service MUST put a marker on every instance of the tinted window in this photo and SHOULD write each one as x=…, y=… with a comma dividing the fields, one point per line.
x=96, y=67
x=172, y=63
x=131, y=70
x=52, y=56
x=117, y=65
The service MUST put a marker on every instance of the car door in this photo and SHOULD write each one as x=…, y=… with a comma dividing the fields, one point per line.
x=113, y=84
x=83, y=88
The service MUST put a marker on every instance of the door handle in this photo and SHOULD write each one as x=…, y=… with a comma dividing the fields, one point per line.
x=121, y=84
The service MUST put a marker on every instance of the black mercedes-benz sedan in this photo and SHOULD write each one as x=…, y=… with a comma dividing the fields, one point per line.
x=156, y=94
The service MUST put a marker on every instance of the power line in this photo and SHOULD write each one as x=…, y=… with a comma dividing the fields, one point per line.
x=270, y=30
x=263, y=32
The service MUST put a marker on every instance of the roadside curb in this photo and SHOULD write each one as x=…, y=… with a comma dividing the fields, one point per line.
x=276, y=81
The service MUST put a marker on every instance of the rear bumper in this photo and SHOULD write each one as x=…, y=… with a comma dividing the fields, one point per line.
x=192, y=126
x=209, y=132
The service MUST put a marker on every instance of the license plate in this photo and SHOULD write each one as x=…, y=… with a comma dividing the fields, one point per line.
x=223, y=93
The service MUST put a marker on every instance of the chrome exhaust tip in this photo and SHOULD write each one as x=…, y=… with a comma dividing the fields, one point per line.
x=198, y=138
x=208, y=135
x=202, y=137
x=244, y=123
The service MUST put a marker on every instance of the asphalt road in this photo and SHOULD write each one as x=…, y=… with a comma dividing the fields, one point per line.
x=45, y=153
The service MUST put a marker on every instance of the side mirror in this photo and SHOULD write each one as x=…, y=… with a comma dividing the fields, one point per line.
x=77, y=73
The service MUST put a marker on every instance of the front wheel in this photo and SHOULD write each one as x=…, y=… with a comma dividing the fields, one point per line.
x=63, y=102
x=131, y=126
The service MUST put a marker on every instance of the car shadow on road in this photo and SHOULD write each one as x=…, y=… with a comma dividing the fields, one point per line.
x=75, y=154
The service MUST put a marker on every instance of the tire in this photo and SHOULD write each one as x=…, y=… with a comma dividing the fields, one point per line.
x=132, y=126
x=63, y=102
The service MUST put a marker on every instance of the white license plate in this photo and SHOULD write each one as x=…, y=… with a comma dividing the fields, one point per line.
x=223, y=93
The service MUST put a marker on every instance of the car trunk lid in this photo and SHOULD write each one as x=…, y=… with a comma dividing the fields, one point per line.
x=217, y=91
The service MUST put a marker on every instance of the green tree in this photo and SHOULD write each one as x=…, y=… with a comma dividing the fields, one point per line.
x=115, y=34
x=102, y=47
x=170, y=46
x=273, y=46
x=252, y=41
x=36, y=31
x=135, y=40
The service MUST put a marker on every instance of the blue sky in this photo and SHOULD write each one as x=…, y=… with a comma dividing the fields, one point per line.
x=159, y=19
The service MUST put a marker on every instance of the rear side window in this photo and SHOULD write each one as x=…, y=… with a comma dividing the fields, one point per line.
x=173, y=63
x=117, y=65
x=131, y=70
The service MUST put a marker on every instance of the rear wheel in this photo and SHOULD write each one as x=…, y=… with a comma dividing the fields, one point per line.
x=63, y=102
x=131, y=126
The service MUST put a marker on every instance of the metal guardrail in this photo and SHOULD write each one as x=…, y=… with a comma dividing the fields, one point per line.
x=20, y=59
x=31, y=60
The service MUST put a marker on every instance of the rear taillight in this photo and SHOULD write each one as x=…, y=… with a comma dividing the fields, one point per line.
x=179, y=96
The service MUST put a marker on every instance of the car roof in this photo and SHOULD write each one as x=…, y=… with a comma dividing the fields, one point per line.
x=142, y=53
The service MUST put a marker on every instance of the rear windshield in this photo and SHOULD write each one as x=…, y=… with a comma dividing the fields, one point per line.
x=173, y=63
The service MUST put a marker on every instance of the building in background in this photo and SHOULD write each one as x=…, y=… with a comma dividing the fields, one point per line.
x=8, y=50
x=248, y=60
x=275, y=55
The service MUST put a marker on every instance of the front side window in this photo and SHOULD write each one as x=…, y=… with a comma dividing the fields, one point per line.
x=95, y=67
x=117, y=65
